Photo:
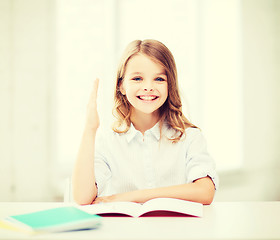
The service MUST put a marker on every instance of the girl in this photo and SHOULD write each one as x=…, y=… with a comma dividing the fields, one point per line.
x=153, y=150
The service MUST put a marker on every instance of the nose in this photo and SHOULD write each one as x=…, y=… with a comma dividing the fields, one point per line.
x=148, y=87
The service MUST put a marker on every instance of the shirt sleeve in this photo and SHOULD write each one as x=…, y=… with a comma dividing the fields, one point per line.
x=102, y=169
x=199, y=163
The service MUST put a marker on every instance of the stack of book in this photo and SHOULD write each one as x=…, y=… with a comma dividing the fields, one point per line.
x=52, y=220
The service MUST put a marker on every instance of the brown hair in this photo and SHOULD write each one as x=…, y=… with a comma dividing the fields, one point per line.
x=171, y=110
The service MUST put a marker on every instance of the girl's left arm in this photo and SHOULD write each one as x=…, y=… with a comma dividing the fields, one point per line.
x=201, y=190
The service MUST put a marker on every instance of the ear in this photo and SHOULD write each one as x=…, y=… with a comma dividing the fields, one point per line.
x=122, y=90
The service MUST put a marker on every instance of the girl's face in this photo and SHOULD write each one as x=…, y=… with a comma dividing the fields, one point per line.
x=145, y=85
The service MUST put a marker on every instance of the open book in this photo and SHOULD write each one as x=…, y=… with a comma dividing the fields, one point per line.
x=154, y=207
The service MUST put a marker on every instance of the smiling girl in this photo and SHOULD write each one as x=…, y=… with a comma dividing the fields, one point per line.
x=153, y=150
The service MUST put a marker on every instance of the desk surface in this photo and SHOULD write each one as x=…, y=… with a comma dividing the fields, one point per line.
x=221, y=220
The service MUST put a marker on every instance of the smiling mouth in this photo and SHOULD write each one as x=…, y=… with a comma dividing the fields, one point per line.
x=147, y=97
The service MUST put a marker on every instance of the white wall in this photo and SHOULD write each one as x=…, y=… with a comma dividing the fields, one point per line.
x=84, y=51
x=26, y=79
x=6, y=180
x=259, y=179
x=221, y=81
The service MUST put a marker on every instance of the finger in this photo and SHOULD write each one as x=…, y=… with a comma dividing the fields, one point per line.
x=94, y=91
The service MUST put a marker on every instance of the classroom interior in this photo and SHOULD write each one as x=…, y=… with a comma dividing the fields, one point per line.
x=228, y=60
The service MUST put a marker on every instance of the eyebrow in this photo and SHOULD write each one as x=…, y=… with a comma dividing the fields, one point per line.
x=162, y=73
x=136, y=73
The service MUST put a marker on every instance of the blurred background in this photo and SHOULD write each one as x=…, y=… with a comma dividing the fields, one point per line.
x=228, y=59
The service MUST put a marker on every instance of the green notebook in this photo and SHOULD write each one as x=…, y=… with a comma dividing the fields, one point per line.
x=55, y=220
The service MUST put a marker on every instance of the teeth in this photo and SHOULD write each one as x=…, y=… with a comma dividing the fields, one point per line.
x=147, y=98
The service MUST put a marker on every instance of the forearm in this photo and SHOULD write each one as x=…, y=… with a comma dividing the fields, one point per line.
x=202, y=191
x=83, y=179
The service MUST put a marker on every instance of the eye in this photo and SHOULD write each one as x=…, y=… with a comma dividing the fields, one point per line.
x=159, y=79
x=137, y=78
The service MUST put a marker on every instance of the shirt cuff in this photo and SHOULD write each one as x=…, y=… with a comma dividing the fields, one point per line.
x=197, y=173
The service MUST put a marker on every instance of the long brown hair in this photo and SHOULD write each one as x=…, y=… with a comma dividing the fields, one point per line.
x=171, y=110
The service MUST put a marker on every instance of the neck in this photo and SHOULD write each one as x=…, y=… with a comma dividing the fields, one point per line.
x=143, y=122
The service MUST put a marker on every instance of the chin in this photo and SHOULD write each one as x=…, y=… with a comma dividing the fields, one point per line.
x=147, y=111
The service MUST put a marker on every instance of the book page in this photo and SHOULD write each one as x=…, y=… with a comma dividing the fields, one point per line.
x=127, y=208
x=172, y=205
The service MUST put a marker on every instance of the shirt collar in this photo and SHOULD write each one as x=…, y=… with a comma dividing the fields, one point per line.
x=132, y=132
x=155, y=130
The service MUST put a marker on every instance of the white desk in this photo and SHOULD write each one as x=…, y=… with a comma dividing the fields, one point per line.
x=221, y=220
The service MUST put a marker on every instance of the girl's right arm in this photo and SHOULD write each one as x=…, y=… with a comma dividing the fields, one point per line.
x=83, y=179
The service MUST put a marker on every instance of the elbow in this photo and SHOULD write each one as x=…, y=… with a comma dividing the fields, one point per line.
x=83, y=195
x=83, y=200
x=210, y=192
x=208, y=199
x=206, y=191
x=207, y=195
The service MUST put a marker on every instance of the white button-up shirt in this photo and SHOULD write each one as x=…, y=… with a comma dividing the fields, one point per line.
x=132, y=161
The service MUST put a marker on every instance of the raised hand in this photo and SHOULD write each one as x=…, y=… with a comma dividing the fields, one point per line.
x=84, y=189
x=92, y=119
